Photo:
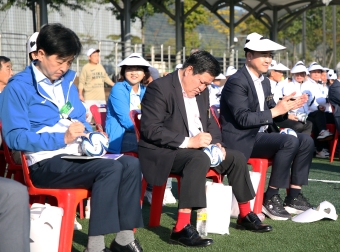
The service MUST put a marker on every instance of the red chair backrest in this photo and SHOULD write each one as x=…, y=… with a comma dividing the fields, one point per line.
x=26, y=171
x=215, y=111
x=135, y=117
x=99, y=116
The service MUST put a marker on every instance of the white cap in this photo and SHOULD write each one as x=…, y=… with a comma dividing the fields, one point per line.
x=299, y=68
x=258, y=43
x=230, y=71
x=314, y=66
x=325, y=69
x=178, y=66
x=90, y=51
x=32, y=43
x=277, y=67
x=220, y=77
x=324, y=210
x=135, y=59
x=331, y=75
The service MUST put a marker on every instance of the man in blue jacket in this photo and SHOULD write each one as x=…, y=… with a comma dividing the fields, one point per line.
x=43, y=116
x=247, y=112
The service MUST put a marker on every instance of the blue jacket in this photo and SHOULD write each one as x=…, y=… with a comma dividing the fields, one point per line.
x=118, y=114
x=26, y=108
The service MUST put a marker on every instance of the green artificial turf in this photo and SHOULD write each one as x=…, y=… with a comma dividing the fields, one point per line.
x=322, y=235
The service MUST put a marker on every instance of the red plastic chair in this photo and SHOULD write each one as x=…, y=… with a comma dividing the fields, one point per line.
x=68, y=199
x=158, y=191
x=334, y=142
x=258, y=165
x=99, y=116
x=12, y=167
x=3, y=164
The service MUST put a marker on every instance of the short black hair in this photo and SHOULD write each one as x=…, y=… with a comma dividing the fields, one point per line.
x=203, y=62
x=3, y=59
x=56, y=39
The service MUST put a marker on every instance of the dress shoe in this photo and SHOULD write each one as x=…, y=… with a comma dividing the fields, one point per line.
x=189, y=237
x=131, y=247
x=252, y=223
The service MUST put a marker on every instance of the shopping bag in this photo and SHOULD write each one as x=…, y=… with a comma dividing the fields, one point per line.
x=45, y=227
x=218, y=207
x=255, y=180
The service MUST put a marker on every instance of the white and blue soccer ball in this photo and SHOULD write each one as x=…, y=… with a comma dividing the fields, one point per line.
x=94, y=144
x=288, y=131
x=214, y=153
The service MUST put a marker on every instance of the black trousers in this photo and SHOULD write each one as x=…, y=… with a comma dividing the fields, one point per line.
x=115, y=187
x=193, y=165
x=297, y=126
x=292, y=157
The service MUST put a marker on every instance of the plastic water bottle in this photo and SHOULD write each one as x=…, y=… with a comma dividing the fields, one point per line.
x=201, y=223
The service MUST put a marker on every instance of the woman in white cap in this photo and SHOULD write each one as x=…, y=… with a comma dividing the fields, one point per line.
x=296, y=122
x=215, y=90
x=126, y=95
x=302, y=84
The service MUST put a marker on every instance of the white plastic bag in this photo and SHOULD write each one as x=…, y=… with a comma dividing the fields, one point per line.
x=255, y=180
x=45, y=227
x=218, y=207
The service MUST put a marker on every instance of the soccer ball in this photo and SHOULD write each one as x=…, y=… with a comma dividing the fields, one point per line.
x=214, y=153
x=288, y=131
x=94, y=144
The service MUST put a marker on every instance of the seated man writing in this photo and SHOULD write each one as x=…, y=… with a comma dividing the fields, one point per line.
x=32, y=120
x=175, y=126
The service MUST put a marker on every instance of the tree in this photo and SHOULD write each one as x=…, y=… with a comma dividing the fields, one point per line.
x=53, y=4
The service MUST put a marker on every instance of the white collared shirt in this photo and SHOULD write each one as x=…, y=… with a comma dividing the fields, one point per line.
x=260, y=94
x=54, y=90
x=135, y=99
x=193, y=116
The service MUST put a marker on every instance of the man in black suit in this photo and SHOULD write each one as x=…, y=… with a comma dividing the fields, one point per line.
x=247, y=112
x=334, y=99
x=175, y=125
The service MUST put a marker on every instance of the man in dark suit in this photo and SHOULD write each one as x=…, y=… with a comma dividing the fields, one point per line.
x=175, y=125
x=334, y=99
x=247, y=112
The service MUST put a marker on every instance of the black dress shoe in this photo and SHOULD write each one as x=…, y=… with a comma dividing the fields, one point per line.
x=189, y=237
x=132, y=246
x=252, y=223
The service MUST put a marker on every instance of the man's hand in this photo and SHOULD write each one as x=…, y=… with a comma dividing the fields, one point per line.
x=288, y=102
x=75, y=130
x=200, y=140
x=222, y=149
x=293, y=117
x=81, y=97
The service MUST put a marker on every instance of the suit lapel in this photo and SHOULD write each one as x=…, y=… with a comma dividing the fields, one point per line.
x=252, y=87
x=180, y=101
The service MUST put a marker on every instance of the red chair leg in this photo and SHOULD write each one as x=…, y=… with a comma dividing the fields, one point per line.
x=156, y=205
x=144, y=185
x=333, y=146
x=261, y=166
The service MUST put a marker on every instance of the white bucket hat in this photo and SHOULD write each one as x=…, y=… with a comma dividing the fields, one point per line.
x=299, y=68
x=258, y=43
x=315, y=66
x=324, y=210
x=90, y=51
x=331, y=75
x=135, y=59
x=32, y=43
x=230, y=71
x=220, y=77
x=277, y=67
x=179, y=66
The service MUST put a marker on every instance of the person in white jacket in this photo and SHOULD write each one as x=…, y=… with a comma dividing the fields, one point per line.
x=315, y=105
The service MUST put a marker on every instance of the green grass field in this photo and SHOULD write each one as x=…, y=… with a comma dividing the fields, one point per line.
x=322, y=235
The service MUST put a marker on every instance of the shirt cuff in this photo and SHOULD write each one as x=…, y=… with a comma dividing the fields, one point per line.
x=185, y=143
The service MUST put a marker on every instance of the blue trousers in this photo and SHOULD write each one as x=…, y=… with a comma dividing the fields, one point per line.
x=115, y=188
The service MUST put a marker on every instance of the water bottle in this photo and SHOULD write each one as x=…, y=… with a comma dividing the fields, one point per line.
x=201, y=223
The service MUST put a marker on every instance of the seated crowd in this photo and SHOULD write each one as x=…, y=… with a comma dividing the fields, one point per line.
x=43, y=115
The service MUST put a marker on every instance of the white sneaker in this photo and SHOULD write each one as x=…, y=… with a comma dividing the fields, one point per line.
x=168, y=197
x=322, y=154
x=325, y=151
x=77, y=225
x=88, y=209
x=148, y=195
x=325, y=135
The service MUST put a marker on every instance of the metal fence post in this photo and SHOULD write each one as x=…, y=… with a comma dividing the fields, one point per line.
x=116, y=60
x=169, y=58
x=152, y=55
x=224, y=62
x=236, y=59
x=99, y=47
x=162, y=58
x=183, y=54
